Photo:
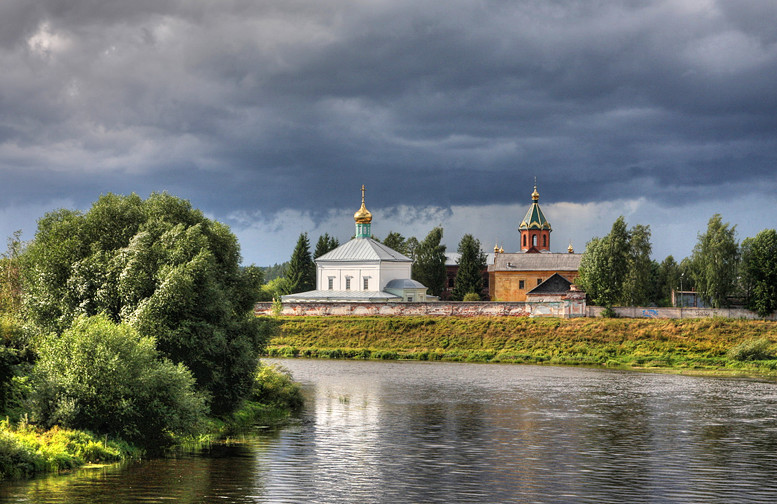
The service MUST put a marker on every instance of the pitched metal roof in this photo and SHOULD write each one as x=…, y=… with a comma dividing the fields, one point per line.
x=535, y=219
x=536, y=262
x=556, y=284
x=363, y=249
x=349, y=295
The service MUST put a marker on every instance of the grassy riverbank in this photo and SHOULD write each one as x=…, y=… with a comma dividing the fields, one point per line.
x=27, y=449
x=715, y=345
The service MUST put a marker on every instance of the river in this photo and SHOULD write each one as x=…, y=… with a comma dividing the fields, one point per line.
x=386, y=432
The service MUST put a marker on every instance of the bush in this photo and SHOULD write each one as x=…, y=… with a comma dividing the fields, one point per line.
x=471, y=296
x=26, y=450
x=273, y=385
x=755, y=349
x=106, y=378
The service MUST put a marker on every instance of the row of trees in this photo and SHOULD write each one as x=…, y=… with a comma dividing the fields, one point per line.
x=617, y=269
x=428, y=267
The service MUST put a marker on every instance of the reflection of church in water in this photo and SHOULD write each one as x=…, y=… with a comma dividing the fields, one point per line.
x=535, y=270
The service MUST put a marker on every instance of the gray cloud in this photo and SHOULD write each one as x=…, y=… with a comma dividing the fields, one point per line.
x=246, y=106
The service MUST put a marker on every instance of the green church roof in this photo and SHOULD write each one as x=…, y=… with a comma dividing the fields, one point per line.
x=534, y=218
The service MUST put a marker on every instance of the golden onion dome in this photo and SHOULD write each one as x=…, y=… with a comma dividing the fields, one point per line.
x=496, y=249
x=362, y=216
x=535, y=196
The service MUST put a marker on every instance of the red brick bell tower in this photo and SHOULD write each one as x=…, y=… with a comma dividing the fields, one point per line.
x=535, y=228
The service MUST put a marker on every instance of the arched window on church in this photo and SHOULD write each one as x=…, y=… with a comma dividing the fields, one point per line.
x=534, y=240
x=544, y=240
x=524, y=240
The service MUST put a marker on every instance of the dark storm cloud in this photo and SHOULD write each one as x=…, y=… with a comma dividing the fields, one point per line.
x=243, y=105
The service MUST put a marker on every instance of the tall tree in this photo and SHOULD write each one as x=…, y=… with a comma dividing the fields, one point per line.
x=325, y=244
x=715, y=261
x=411, y=246
x=469, y=277
x=162, y=267
x=637, y=285
x=759, y=272
x=301, y=272
x=605, y=264
x=429, y=265
x=617, y=269
x=667, y=279
x=396, y=241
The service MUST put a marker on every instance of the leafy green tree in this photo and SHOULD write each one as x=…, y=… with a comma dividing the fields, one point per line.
x=429, y=265
x=107, y=378
x=396, y=241
x=10, y=277
x=667, y=279
x=617, y=269
x=274, y=289
x=605, y=264
x=715, y=262
x=637, y=284
x=759, y=272
x=325, y=244
x=469, y=277
x=301, y=272
x=160, y=266
x=411, y=247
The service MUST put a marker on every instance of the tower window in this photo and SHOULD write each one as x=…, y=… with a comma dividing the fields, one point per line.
x=521, y=284
x=366, y=283
x=544, y=240
x=347, y=283
x=331, y=283
x=524, y=240
x=534, y=240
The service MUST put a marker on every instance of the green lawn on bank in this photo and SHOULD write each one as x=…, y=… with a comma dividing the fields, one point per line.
x=725, y=346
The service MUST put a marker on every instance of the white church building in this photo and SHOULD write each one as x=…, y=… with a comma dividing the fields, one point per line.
x=363, y=270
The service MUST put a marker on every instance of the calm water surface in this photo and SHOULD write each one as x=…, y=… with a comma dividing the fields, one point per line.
x=384, y=432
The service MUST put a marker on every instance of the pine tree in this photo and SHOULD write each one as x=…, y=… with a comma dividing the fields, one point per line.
x=301, y=272
x=469, y=277
x=429, y=265
x=325, y=244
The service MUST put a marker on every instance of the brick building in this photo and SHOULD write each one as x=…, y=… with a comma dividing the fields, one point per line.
x=512, y=275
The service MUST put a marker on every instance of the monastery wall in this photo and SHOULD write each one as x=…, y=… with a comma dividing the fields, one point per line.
x=567, y=308
x=677, y=313
x=563, y=308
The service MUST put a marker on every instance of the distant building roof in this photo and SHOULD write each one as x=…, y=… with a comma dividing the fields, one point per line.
x=453, y=258
x=363, y=249
x=556, y=284
x=536, y=262
x=349, y=295
x=404, y=283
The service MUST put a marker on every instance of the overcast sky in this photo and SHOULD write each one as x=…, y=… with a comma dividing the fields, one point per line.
x=269, y=115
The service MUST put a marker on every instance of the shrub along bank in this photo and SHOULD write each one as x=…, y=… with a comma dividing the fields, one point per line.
x=716, y=345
